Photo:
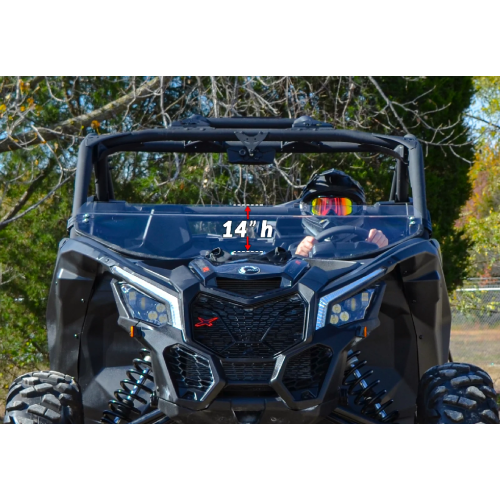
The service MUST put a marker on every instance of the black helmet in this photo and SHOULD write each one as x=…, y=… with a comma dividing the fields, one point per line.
x=333, y=182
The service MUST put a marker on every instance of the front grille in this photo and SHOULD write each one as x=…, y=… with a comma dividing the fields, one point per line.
x=248, y=372
x=241, y=331
x=190, y=372
x=248, y=288
x=305, y=372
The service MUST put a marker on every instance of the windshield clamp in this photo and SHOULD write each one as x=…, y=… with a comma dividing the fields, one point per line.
x=308, y=122
x=71, y=223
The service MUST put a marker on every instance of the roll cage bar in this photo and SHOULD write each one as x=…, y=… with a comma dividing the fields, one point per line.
x=251, y=141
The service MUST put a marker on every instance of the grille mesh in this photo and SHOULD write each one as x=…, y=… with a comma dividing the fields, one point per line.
x=248, y=372
x=190, y=372
x=241, y=331
x=248, y=288
x=305, y=372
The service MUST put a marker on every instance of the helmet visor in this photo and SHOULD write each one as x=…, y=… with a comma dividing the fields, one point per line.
x=324, y=205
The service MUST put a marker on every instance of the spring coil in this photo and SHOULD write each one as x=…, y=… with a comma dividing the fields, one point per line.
x=122, y=408
x=366, y=396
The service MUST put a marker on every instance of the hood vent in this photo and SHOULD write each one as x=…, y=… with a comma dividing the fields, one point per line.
x=248, y=288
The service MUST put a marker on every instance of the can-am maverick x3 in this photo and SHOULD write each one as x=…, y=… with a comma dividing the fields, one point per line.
x=173, y=313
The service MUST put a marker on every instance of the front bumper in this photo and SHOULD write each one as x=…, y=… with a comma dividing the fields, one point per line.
x=247, y=411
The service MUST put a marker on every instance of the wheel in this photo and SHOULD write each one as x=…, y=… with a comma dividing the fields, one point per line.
x=456, y=393
x=45, y=397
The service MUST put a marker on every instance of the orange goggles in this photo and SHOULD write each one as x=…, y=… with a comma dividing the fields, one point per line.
x=325, y=205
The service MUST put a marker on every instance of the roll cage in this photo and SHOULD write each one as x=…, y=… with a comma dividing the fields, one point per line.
x=252, y=141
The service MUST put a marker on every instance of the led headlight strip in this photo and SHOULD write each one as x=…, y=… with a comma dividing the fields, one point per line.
x=342, y=292
x=155, y=291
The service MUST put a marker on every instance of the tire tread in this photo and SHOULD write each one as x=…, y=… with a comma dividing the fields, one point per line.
x=456, y=393
x=44, y=397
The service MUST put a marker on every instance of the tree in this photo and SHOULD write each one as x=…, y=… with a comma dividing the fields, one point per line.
x=480, y=217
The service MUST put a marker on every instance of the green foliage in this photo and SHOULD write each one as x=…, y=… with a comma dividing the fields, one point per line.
x=27, y=251
x=480, y=217
x=447, y=183
x=487, y=106
x=473, y=303
x=485, y=237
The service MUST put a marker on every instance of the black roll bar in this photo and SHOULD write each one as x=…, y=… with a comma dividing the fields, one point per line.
x=256, y=140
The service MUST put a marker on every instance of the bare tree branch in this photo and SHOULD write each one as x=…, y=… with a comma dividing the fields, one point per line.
x=25, y=197
x=483, y=120
x=74, y=126
x=6, y=222
x=389, y=103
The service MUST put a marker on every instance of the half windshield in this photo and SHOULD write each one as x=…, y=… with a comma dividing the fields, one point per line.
x=189, y=231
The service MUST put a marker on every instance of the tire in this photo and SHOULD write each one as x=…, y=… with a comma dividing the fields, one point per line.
x=45, y=397
x=456, y=393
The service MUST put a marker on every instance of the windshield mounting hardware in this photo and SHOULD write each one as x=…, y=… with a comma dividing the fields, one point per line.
x=197, y=121
x=251, y=142
x=249, y=153
x=308, y=122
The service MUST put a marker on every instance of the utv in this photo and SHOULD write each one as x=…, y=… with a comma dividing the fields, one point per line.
x=204, y=314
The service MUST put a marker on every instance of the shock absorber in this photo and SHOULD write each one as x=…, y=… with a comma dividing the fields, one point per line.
x=366, y=395
x=122, y=409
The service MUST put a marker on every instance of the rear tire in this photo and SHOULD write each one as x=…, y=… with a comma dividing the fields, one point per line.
x=45, y=397
x=456, y=393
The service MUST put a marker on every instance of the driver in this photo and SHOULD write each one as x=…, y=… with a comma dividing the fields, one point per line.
x=332, y=193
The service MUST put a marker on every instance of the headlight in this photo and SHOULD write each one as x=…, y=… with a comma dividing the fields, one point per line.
x=349, y=310
x=336, y=298
x=144, y=308
x=150, y=296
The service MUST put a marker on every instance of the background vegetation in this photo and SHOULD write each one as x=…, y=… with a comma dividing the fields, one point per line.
x=43, y=119
x=480, y=217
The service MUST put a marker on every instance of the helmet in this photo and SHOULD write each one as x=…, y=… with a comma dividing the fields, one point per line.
x=332, y=192
x=333, y=182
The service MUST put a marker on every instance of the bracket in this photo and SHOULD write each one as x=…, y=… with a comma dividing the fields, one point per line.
x=308, y=122
x=250, y=153
x=251, y=142
x=196, y=121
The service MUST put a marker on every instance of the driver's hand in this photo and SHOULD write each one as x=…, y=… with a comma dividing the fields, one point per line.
x=377, y=237
x=374, y=236
x=305, y=246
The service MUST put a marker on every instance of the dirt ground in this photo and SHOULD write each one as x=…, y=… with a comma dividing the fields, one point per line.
x=479, y=347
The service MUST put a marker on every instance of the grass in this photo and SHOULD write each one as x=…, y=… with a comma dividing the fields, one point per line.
x=480, y=348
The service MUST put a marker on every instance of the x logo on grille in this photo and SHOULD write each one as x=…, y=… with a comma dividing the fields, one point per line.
x=206, y=322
